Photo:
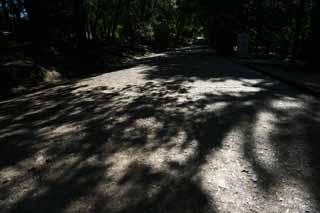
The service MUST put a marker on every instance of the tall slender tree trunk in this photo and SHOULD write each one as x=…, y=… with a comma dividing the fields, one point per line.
x=18, y=10
x=116, y=18
x=93, y=26
x=105, y=30
x=314, y=45
x=79, y=19
x=298, y=29
x=5, y=12
x=37, y=22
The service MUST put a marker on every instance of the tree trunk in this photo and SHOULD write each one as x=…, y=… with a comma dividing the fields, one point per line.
x=5, y=12
x=314, y=45
x=298, y=29
x=79, y=19
x=18, y=9
x=115, y=19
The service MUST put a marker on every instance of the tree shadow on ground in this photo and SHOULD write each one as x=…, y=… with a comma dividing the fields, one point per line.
x=141, y=148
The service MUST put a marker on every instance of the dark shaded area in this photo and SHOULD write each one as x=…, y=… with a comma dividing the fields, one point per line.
x=77, y=171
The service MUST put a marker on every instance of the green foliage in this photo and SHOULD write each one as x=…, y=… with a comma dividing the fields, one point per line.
x=281, y=26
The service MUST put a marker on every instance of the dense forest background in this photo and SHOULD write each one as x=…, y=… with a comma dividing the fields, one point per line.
x=97, y=32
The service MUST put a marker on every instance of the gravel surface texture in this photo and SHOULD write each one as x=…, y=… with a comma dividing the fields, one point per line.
x=178, y=132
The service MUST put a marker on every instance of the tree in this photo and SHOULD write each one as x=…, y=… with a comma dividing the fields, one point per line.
x=298, y=27
x=79, y=20
x=5, y=11
x=314, y=42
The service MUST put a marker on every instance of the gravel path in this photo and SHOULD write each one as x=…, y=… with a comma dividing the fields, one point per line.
x=178, y=132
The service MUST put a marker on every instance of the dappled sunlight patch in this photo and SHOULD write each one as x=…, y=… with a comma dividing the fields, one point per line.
x=238, y=180
x=121, y=160
x=10, y=132
x=261, y=141
x=67, y=128
x=276, y=155
x=216, y=107
x=27, y=185
x=75, y=112
x=140, y=183
x=3, y=117
x=253, y=82
x=11, y=174
x=229, y=86
x=60, y=136
x=80, y=205
x=121, y=119
x=152, y=55
x=227, y=176
x=287, y=103
x=182, y=99
x=150, y=148
x=293, y=196
x=32, y=112
x=152, y=125
x=248, y=103
x=176, y=151
x=62, y=168
x=45, y=122
x=116, y=79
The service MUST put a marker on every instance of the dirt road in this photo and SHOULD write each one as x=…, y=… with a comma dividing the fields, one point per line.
x=177, y=132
